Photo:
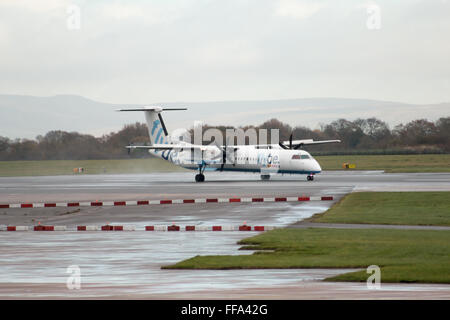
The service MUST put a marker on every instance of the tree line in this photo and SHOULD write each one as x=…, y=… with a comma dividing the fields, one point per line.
x=361, y=136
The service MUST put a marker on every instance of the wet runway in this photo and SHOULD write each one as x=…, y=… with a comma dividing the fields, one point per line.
x=127, y=264
x=181, y=184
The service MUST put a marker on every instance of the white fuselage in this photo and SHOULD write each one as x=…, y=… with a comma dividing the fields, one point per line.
x=266, y=159
x=248, y=158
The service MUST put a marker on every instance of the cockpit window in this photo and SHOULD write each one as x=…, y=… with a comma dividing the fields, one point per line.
x=298, y=156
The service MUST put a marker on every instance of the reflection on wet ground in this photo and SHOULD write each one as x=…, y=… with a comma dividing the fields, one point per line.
x=127, y=264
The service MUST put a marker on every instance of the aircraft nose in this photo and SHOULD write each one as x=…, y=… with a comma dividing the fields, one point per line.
x=316, y=166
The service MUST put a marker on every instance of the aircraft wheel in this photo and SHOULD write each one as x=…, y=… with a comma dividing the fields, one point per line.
x=265, y=176
x=310, y=177
x=199, y=177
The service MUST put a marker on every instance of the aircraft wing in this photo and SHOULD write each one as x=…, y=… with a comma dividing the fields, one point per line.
x=171, y=147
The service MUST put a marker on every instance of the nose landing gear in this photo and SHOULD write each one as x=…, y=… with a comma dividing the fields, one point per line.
x=310, y=177
x=199, y=177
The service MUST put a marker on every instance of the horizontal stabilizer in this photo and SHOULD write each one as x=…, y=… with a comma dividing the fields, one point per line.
x=310, y=142
x=153, y=108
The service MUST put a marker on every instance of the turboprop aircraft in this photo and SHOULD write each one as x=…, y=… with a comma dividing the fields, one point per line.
x=276, y=158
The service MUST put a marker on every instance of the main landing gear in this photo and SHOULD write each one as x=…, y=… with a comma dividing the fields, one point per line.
x=310, y=177
x=265, y=176
x=200, y=177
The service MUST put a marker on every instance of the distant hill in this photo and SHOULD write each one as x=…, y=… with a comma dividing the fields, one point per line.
x=29, y=116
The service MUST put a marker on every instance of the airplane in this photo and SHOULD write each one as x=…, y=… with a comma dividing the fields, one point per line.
x=267, y=159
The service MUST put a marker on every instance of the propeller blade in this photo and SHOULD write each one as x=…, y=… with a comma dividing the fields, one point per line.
x=228, y=153
x=283, y=146
x=290, y=144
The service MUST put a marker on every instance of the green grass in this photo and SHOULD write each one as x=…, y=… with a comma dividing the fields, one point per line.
x=65, y=167
x=403, y=255
x=389, y=163
x=421, y=256
x=408, y=208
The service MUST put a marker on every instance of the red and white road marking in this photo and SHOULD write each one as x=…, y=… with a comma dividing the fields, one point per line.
x=173, y=227
x=163, y=202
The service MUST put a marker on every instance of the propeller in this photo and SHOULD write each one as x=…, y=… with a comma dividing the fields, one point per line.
x=290, y=147
x=226, y=153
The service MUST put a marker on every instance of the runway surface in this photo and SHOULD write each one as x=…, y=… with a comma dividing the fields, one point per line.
x=127, y=265
x=181, y=185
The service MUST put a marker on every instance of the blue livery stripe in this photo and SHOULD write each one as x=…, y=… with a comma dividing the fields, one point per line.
x=155, y=125
x=158, y=135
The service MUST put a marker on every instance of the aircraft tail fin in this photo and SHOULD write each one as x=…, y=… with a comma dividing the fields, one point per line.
x=156, y=127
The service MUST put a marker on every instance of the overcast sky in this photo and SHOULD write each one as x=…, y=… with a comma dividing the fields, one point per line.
x=218, y=50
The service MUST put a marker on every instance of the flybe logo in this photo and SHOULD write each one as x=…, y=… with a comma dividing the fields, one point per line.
x=268, y=160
